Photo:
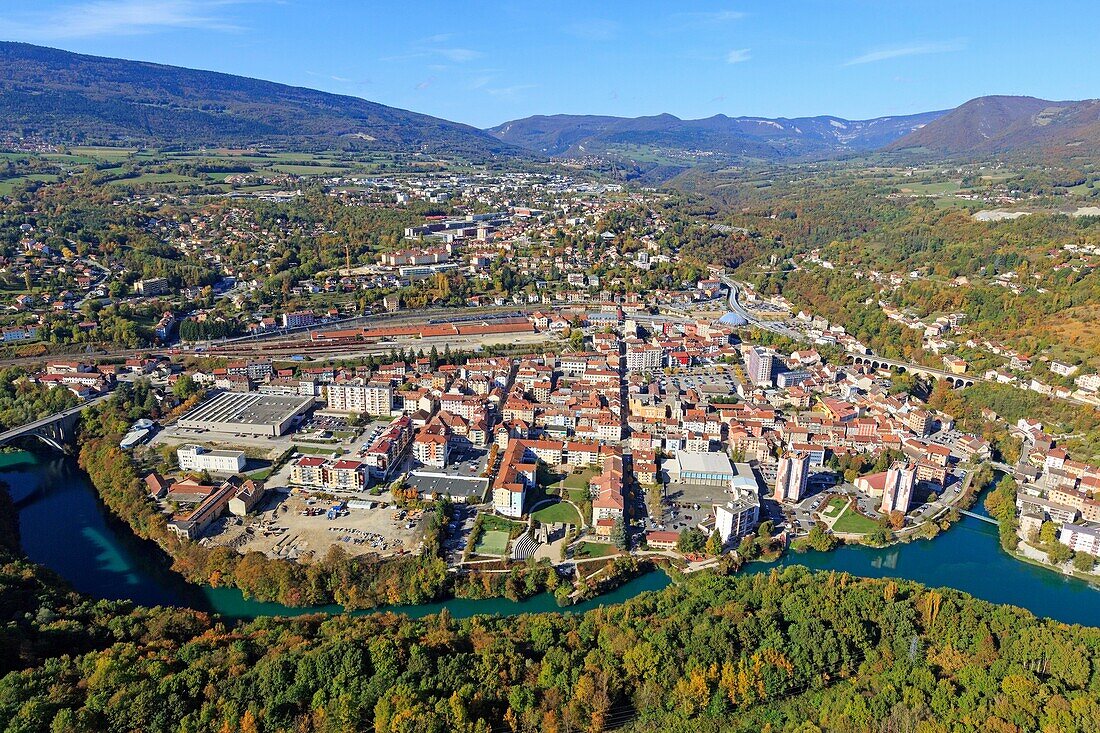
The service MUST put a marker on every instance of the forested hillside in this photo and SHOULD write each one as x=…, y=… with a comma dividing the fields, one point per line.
x=785, y=651
x=739, y=137
x=1002, y=124
x=79, y=99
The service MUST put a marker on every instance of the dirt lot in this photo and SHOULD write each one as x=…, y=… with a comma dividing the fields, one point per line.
x=287, y=533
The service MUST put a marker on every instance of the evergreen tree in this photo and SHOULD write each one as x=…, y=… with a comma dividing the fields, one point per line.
x=618, y=534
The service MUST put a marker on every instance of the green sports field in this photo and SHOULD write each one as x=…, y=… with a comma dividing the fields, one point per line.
x=492, y=542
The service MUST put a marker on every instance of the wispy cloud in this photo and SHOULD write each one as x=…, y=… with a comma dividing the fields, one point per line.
x=431, y=48
x=425, y=84
x=509, y=91
x=593, y=29
x=480, y=82
x=98, y=18
x=912, y=49
x=333, y=77
x=702, y=19
x=738, y=55
x=458, y=55
x=489, y=82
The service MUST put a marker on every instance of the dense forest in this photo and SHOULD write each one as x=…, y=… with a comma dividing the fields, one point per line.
x=23, y=401
x=781, y=651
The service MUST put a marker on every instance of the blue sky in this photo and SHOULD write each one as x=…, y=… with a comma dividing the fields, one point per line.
x=487, y=62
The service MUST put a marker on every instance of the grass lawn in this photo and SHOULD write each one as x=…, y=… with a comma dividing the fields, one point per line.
x=577, y=496
x=579, y=480
x=575, y=485
x=595, y=549
x=493, y=522
x=559, y=512
x=834, y=507
x=852, y=522
x=492, y=542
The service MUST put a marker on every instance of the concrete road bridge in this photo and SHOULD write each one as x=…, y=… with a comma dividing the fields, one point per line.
x=57, y=430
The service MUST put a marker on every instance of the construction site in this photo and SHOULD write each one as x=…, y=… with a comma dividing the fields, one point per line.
x=302, y=526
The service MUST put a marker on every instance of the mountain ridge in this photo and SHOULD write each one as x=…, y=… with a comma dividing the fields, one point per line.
x=748, y=136
x=71, y=98
x=78, y=98
x=1010, y=124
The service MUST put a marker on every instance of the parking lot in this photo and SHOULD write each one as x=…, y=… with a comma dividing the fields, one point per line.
x=711, y=379
x=457, y=532
x=318, y=422
x=949, y=438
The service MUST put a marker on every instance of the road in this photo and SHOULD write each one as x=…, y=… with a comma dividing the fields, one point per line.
x=736, y=307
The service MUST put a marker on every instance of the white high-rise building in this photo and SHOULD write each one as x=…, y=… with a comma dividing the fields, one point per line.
x=736, y=518
x=357, y=395
x=791, y=477
x=759, y=365
x=642, y=357
x=197, y=458
x=897, y=493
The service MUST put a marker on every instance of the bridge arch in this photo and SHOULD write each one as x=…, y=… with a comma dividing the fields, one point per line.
x=46, y=440
x=56, y=431
x=876, y=363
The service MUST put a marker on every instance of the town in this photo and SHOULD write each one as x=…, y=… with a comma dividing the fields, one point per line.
x=574, y=420
x=548, y=369
x=649, y=438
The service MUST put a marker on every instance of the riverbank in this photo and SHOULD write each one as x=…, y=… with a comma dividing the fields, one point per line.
x=1000, y=503
x=1038, y=558
x=101, y=558
x=104, y=559
x=352, y=582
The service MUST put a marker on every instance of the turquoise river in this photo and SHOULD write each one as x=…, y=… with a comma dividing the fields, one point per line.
x=64, y=527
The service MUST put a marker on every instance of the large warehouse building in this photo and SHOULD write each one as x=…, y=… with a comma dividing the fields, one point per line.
x=247, y=413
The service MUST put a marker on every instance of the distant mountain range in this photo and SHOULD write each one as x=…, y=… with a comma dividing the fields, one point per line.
x=1000, y=124
x=740, y=137
x=73, y=98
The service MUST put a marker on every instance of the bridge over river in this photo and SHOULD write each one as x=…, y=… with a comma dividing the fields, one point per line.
x=56, y=430
x=981, y=517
